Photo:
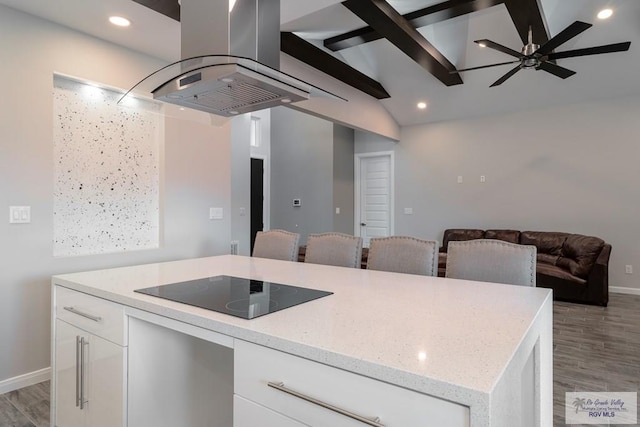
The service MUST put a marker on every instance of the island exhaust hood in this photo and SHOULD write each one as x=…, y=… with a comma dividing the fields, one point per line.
x=230, y=60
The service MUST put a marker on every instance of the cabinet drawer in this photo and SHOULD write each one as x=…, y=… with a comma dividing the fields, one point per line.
x=95, y=315
x=249, y=414
x=257, y=366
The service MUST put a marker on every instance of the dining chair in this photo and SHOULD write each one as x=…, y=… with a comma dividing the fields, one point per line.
x=337, y=249
x=487, y=260
x=401, y=254
x=276, y=244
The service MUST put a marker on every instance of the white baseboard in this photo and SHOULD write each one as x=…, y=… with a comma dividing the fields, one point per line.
x=25, y=380
x=621, y=290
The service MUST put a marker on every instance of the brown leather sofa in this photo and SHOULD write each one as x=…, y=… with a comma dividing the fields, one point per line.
x=576, y=267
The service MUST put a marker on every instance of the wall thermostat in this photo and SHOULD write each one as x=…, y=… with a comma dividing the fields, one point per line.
x=297, y=202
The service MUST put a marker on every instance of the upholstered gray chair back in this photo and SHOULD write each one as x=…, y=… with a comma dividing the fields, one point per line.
x=338, y=249
x=276, y=244
x=401, y=254
x=496, y=261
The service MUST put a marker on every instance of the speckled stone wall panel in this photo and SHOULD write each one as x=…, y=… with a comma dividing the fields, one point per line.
x=107, y=171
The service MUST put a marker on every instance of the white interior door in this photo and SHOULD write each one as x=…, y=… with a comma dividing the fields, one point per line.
x=374, y=196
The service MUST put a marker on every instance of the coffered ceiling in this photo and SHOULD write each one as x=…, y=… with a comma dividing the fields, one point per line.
x=425, y=39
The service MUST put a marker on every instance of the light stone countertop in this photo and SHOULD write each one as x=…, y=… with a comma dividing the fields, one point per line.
x=375, y=324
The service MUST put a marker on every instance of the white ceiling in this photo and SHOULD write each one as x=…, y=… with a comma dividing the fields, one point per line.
x=601, y=76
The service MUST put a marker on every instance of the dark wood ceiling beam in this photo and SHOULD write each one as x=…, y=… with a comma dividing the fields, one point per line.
x=323, y=61
x=420, y=18
x=394, y=27
x=169, y=8
x=525, y=14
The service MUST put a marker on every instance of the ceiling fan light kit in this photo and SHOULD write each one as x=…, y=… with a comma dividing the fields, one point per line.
x=535, y=57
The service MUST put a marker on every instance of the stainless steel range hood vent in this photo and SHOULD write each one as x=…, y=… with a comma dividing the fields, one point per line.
x=242, y=75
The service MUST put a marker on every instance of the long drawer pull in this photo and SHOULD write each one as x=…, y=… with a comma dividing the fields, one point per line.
x=80, y=313
x=375, y=421
x=83, y=343
x=78, y=368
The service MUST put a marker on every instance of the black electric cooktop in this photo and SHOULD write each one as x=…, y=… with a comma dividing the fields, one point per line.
x=236, y=296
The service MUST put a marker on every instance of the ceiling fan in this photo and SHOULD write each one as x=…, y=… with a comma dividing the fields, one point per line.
x=536, y=57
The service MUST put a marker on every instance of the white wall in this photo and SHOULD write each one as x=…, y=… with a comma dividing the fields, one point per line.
x=263, y=151
x=196, y=175
x=312, y=160
x=301, y=168
x=241, y=183
x=343, y=179
x=570, y=168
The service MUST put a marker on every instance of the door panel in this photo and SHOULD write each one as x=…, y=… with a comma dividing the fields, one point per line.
x=67, y=413
x=375, y=197
x=106, y=375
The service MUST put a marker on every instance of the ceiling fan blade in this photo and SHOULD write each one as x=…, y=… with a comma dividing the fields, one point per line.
x=505, y=77
x=499, y=47
x=596, y=50
x=482, y=66
x=556, y=70
x=564, y=36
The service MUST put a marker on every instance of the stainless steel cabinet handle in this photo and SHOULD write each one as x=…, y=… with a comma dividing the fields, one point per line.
x=83, y=343
x=375, y=421
x=80, y=313
x=78, y=370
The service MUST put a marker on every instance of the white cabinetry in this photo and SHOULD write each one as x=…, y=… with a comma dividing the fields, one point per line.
x=89, y=370
x=249, y=414
x=319, y=395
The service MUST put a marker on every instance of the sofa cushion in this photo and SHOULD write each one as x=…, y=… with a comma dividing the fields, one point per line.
x=460, y=234
x=546, y=242
x=511, y=236
x=442, y=260
x=555, y=271
x=579, y=253
x=547, y=259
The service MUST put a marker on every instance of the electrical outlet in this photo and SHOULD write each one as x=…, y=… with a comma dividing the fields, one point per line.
x=483, y=178
x=628, y=269
x=408, y=211
x=234, y=247
x=460, y=179
x=337, y=211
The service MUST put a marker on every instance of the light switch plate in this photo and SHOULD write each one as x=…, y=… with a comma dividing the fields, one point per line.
x=216, y=213
x=19, y=214
x=408, y=211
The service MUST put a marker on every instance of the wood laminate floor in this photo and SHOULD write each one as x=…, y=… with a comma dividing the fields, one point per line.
x=27, y=407
x=595, y=349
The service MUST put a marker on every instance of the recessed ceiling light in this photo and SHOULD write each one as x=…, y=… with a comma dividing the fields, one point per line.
x=285, y=100
x=228, y=79
x=482, y=44
x=234, y=112
x=422, y=105
x=119, y=21
x=605, y=13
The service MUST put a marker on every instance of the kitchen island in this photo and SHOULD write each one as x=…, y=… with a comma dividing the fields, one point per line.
x=393, y=349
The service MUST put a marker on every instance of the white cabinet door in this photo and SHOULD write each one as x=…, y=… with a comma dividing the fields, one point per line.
x=250, y=414
x=68, y=413
x=105, y=369
x=94, y=374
